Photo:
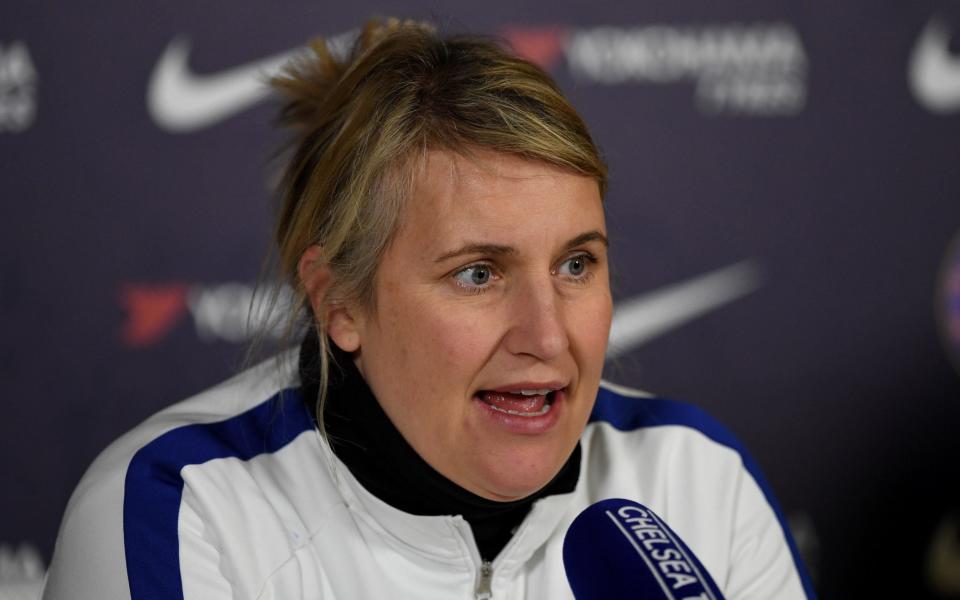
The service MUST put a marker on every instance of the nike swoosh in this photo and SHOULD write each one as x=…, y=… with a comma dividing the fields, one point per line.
x=643, y=318
x=180, y=101
x=934, y=72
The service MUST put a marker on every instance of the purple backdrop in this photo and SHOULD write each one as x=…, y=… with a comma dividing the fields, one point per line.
x=785, y=188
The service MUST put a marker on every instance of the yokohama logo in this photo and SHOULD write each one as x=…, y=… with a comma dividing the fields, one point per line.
x=756, y=69
x=225, y=312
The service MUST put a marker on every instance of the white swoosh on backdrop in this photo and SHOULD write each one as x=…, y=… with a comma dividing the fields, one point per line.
x=645, y=317
x=934, y=72
x=180, y=101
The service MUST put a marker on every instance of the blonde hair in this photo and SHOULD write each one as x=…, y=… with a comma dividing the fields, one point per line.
x=362, y=122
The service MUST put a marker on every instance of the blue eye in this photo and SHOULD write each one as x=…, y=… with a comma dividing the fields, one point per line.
x=474, y=276
x=576, y=266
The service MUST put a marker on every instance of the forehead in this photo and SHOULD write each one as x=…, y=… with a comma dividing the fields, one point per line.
x=494, y=195
x=480, y=170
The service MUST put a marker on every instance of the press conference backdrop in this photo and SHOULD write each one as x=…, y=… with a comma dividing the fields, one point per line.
x=785, y=189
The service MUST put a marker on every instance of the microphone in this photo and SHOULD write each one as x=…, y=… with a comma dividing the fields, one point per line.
x=619, y=548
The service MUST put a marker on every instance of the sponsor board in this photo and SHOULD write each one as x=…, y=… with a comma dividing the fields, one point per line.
x=749, y=69
x=20, y=563
x=21, y=572
x=232, y=312
x=236, y=312
x=934, y=71
x=180, y=100
x=18, y=88
x=757, y=69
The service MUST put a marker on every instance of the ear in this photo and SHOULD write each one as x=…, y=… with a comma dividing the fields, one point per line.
x=337, y=318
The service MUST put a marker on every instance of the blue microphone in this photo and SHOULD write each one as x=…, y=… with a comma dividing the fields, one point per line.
x=619, y=549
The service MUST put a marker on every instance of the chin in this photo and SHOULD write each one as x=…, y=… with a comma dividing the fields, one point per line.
x=524, y=478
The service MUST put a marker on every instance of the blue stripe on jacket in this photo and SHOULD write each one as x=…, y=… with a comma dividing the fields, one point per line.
x=627, y=413
x=154, y=484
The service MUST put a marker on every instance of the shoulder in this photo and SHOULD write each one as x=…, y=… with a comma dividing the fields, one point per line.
x=662, y=443
x=233, y=405
x=693, y=471
x=121, y=521
x=630, y=410
x=258, y=411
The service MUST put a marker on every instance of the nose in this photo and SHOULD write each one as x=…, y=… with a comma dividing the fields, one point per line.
x=537, y=324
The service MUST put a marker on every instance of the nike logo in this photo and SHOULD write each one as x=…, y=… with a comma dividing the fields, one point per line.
x=934, y=72
x=181, y=101
x=645, y=317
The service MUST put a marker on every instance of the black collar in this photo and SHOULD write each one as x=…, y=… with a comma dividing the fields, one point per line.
x=364, y=438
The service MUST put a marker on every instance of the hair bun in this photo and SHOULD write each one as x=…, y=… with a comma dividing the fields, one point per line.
x=307, y=81
x=376, y=30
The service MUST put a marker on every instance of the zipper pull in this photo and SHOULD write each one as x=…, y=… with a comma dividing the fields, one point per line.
x=483, y=586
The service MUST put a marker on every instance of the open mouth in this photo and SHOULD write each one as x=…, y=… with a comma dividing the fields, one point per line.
x=520, y=403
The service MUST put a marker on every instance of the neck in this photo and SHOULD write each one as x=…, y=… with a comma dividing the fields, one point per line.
x=366, y=441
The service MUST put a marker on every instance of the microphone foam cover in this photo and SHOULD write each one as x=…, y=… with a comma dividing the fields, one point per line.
x=620, y=549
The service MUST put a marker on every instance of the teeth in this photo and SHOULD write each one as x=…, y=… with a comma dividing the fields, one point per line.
x=544, y=410
x=542, y=392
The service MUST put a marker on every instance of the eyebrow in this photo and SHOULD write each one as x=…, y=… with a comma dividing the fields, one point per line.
x=590, y=236
x=499, y=249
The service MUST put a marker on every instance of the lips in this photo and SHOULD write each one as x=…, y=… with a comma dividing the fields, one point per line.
x=521, y=403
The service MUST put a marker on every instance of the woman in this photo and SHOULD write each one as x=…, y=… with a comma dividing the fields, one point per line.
x=442, y=222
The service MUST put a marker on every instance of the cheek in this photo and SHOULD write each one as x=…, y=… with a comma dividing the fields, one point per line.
x=434, y=351
x=590, y=330
x=458, y=341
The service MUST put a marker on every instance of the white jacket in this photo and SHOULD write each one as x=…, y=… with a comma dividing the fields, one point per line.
x=233, y=494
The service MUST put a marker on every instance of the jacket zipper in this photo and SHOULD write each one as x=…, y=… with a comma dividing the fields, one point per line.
x=483, y=586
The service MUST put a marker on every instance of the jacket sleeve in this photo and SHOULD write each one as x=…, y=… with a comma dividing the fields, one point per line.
x=762, y=552
x=125, y=539
x=88, y=559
